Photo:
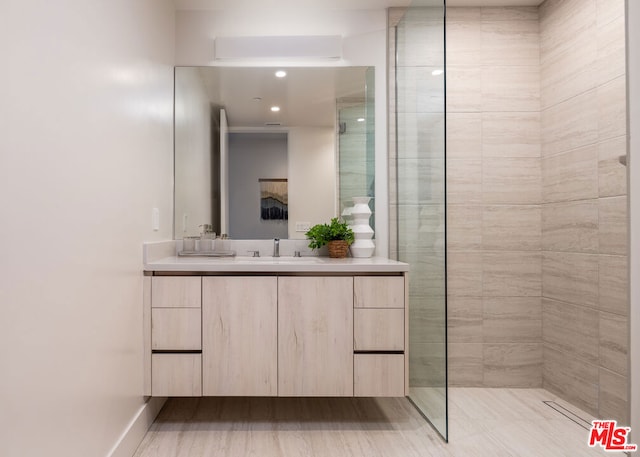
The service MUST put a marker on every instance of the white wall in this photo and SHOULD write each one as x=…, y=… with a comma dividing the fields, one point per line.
x=312, y=177
x=85, y=153
x=193, y=153
x=633, y=79
x=364, y=43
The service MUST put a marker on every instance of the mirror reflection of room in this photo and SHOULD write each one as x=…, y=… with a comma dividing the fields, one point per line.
x=237, y=129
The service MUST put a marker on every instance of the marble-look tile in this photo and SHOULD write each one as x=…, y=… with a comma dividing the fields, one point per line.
x=570, y=226
x=420, y=41
x=562, y=20
x=613, y=284
x=611, y=61
x=570, y=277
x=511, y=181
x=419, y=91
x=510, y=43
x=464, y=136
x=612, y=109
x=464, y=319
x=464, y=273
x=613, y=396
x=569, y=68
x=614, y=343
x=608, y=10
x=512, y=320
x=511, y=228
x=428, y=364
x=464, y=89
x=464, y=227
x=512, y=365
x=511, y=134
x=511, y=274
x=510, y=88
x=465, y=364
x=612, y=175
x=426, y=319
x=571, y=175
x=420, y=181
x=509, y=13
x=464, y=181
x=571, y=378
x=570, y=125
x=464, y=37
x=420, y=135
x=613, y=225
x=421, y=228
x=571, y=329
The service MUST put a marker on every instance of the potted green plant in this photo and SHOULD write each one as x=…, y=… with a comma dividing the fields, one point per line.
x=336, y=235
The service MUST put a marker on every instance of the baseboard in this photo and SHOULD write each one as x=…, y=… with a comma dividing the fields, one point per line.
x=137, y=428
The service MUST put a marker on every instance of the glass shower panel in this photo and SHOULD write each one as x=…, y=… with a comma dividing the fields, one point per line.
x=420, y=202
x=356, y=148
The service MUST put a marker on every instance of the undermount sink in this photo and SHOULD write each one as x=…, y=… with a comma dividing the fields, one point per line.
x=281, y=259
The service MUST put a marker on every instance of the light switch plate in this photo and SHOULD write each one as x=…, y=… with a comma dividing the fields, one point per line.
x=303, y=226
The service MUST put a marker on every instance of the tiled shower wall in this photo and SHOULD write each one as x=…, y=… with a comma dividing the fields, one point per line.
x=493, y=197
x=584, y=213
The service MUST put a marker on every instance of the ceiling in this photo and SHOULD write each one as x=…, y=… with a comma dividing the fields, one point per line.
x=335, y=4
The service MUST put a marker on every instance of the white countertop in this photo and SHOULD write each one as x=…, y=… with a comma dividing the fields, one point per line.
x=309, y=264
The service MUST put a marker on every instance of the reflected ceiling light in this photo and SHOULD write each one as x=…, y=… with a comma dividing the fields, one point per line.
x=361, y=119
x=275, y=109
x=257, y=99
x=281, y=74
x=437, y=72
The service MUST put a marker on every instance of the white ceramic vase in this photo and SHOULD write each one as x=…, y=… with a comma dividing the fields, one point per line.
x=363, y=245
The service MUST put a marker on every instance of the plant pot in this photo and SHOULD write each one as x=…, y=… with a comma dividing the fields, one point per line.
x=338, y=249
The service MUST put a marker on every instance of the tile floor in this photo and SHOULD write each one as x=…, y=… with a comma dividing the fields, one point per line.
x=482, y=422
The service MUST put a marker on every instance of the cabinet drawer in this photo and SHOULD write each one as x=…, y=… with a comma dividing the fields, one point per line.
x=176, y=329
x=176, y=375
x=176, y=292
x=378, y=291
x=378, y=329
x=378, y=375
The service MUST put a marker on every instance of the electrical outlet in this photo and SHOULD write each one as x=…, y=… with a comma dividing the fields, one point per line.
x=303, y=226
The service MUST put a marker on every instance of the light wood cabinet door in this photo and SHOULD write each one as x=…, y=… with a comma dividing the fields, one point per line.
x=176, y=329
x=239, y=336
x=315, y=336
x=176, y=375
x=176, y=292
x=379, y=375
x=378, y=329
x=378, y=292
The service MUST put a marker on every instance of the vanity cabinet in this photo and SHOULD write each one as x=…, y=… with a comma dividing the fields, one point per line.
x=315, y=336
x=281, y=334
x=240, y=336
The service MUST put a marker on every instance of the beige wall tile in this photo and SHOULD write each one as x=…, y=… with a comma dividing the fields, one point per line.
x=569, y=125
x=506, y=88
x=464, y=227
x=464, y=136
x=511, y=274
x=463, y=14
x=416, y=38
x=465, y=364
x=464, y=89
x=612, y=109
x=613, y=225
x=570, y=277
x=611, y=61
x=512, y=319
x=612, y=175
x=574, y=380
x=571, y=329
x=613, y=284
x=510, y=43
x=464, y=319
x=613, y=397
x=464, y=37
x=464, y=181
x=422, y=227
x=614, y=343
x=511, y=181
x=420, y=181
x=512, y=365
x=464, y=273
x=570, y=226
x=608, y=10
x=427, y=319
x=420, y=135
x=509, y=13
x=511, y=135
x=562, y=20
x=427, y=361
x=419, y=90
x=571, y=175
x=511, y=228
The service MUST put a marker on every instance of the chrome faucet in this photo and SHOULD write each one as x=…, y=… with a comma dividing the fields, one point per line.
x=276, y=247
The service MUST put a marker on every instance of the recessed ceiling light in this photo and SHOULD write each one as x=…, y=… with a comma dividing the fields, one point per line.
x=275, y=109
x=281, y=73
x=437, y=72
x=361, y=119
x=257, y=99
